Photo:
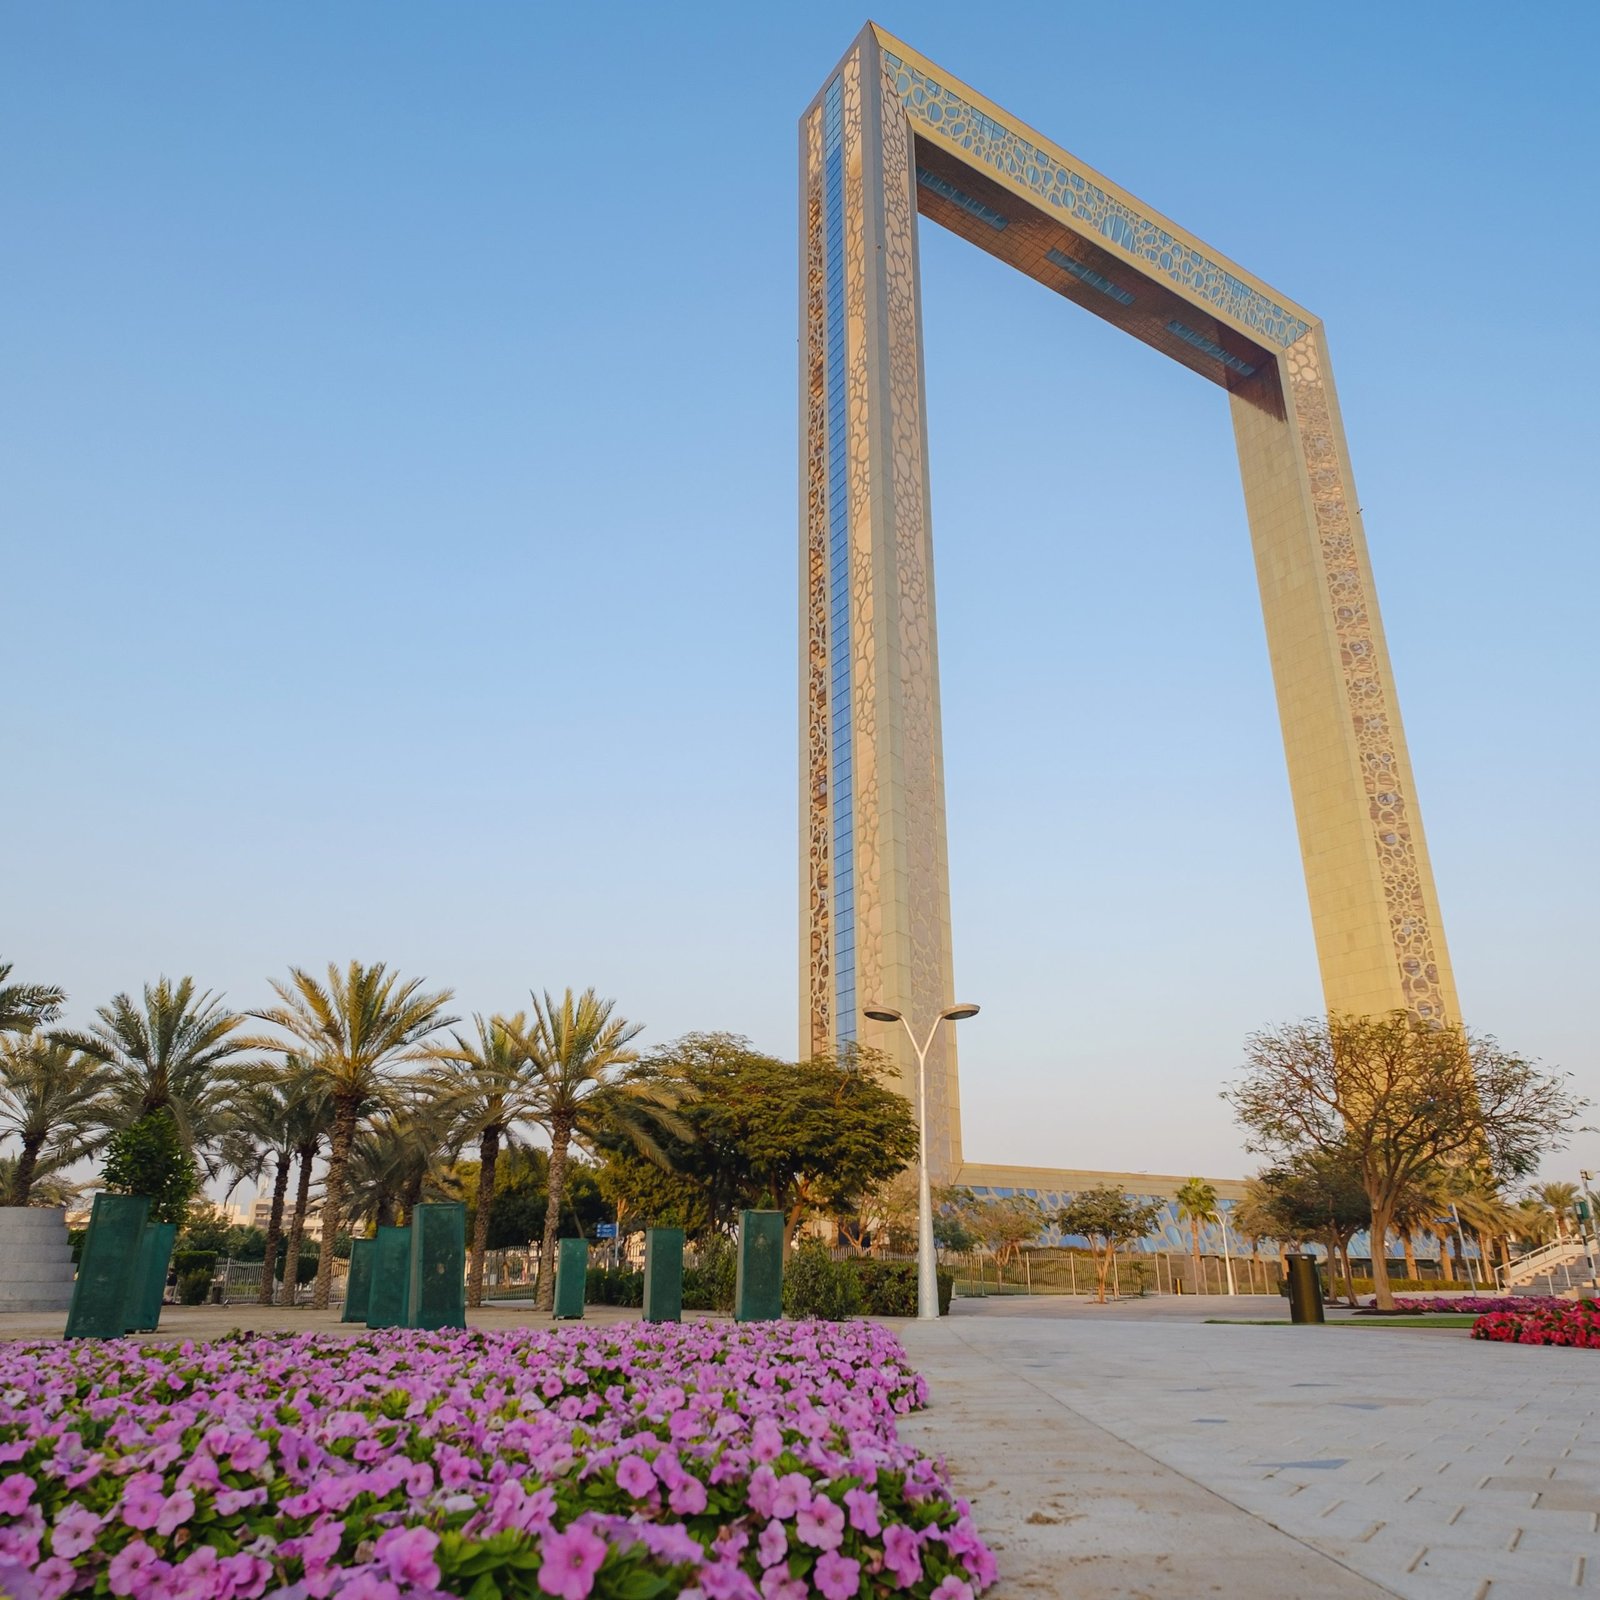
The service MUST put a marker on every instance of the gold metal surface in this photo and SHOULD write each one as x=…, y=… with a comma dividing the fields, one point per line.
x=997, y=183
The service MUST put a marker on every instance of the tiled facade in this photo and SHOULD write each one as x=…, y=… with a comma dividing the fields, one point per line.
x=889, y=136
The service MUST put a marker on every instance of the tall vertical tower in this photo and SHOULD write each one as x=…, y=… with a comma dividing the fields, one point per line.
x=889, y=136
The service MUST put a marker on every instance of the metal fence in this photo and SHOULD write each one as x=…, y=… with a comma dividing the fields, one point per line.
x=1131, y=1273
x=241, y=1283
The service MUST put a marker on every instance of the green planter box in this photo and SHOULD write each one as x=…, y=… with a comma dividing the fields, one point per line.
x=358, y=1282
x=663, y=1275
x=106, y=1267
x=143, y=1311
x=389, y=1295
x=758, y=1287
x=572, y=1275
x=437, y=1296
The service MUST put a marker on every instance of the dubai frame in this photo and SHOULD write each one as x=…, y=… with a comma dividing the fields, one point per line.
x=891, y=135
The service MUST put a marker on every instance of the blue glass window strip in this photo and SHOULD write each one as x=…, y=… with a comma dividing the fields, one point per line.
x=932, y=180
x=1089, y=276
x=844, y=877
x=1211, y=348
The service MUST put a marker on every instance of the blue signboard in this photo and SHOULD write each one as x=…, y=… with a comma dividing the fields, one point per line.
x=605, y=1230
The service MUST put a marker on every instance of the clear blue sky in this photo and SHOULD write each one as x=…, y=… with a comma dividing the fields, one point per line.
x=397, y=487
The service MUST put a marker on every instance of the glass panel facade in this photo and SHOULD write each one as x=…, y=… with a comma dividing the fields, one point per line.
x=844, y=876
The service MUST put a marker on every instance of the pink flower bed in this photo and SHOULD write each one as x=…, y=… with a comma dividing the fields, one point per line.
x=715, y=1461
x=1471, y=1304
x=1565, y=1322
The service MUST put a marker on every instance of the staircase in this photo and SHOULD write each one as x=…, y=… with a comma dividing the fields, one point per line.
x=35, y=1259
x=1551, y=1269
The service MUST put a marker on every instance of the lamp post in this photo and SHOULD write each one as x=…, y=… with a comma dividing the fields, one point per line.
x=1227, y=1260
x=927, y=1268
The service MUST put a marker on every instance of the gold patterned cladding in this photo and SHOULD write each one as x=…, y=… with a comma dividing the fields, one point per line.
x=921, y=777
x=863, y=623
x=815, y=755
x=1379, y=938
x=1423, y=976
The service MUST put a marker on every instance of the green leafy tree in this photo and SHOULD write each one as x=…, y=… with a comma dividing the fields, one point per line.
x=1197, y=1205
x=1004, y=1224
x=51, y=1098
x=1319, y=1195
x=752, y=1130
x=149, y=1157
x=577, y=1046
x=1402, y=1098
x=491, y=1086
x=1107, y=1218
x=352, y=1033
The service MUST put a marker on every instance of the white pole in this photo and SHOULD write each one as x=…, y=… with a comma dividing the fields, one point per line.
x=1461, y=1239
x=927, y=1269
x=1227, y=1260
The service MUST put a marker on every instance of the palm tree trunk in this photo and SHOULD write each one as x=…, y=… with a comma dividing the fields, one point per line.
x=411, y=1196
x=1194, y=1235
x=1408, y=1243
x=383, y=1215
x=488, y=1158
x=27, y=1165
x=344, y=1136
x=560, y=1134
x=1485, y=1257
x=280, y=1187
x=297, y=1226
x=1446, y=1268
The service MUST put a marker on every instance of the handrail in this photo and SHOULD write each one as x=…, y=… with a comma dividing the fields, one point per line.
x=1557, y=1252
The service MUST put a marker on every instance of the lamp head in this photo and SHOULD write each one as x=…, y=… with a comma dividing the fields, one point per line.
x=880, y=1014
x=959, y=1013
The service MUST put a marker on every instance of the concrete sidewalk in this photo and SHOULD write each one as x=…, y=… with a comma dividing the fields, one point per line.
x=1156, y=1457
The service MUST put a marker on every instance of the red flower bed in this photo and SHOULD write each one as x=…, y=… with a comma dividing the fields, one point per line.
x=1565, y=1322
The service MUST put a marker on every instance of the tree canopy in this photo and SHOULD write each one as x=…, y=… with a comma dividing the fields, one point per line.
x=1397, y=1098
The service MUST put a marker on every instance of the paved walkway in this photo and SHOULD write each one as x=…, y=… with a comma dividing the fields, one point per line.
x=1135, y=1451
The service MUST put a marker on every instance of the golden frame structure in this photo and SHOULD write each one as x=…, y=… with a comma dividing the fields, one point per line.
x=889, y=136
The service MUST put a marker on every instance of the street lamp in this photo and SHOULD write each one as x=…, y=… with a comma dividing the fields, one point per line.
x=927, y=1269
x=1227, y=1260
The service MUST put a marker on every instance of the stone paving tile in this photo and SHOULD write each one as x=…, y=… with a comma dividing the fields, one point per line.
x=1417, y=1460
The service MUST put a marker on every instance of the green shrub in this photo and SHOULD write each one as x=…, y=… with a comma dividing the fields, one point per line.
x=148, y=1158
x=75, y=1238
x=815, y=1285
x=889, y=1288
x=193, y=1287
x=709, y=1284
x=613, y=1286
x=186, y=1261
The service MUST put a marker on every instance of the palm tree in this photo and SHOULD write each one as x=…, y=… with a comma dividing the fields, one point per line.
x=1561, y=1200
x=490, y=1086
x=49, y=1187
x=399, y=1158
x=181, y=1053
x=1197, y=1204
x=1534, y=1224
x=1482, y=1207
x=576, y=1045
x=308, y=1125
x=351, y=1035
x=258, y=1139
x=26, y=1006
x=50, y=1098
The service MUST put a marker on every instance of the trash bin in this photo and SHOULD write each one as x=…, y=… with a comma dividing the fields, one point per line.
x=1305, y=1290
